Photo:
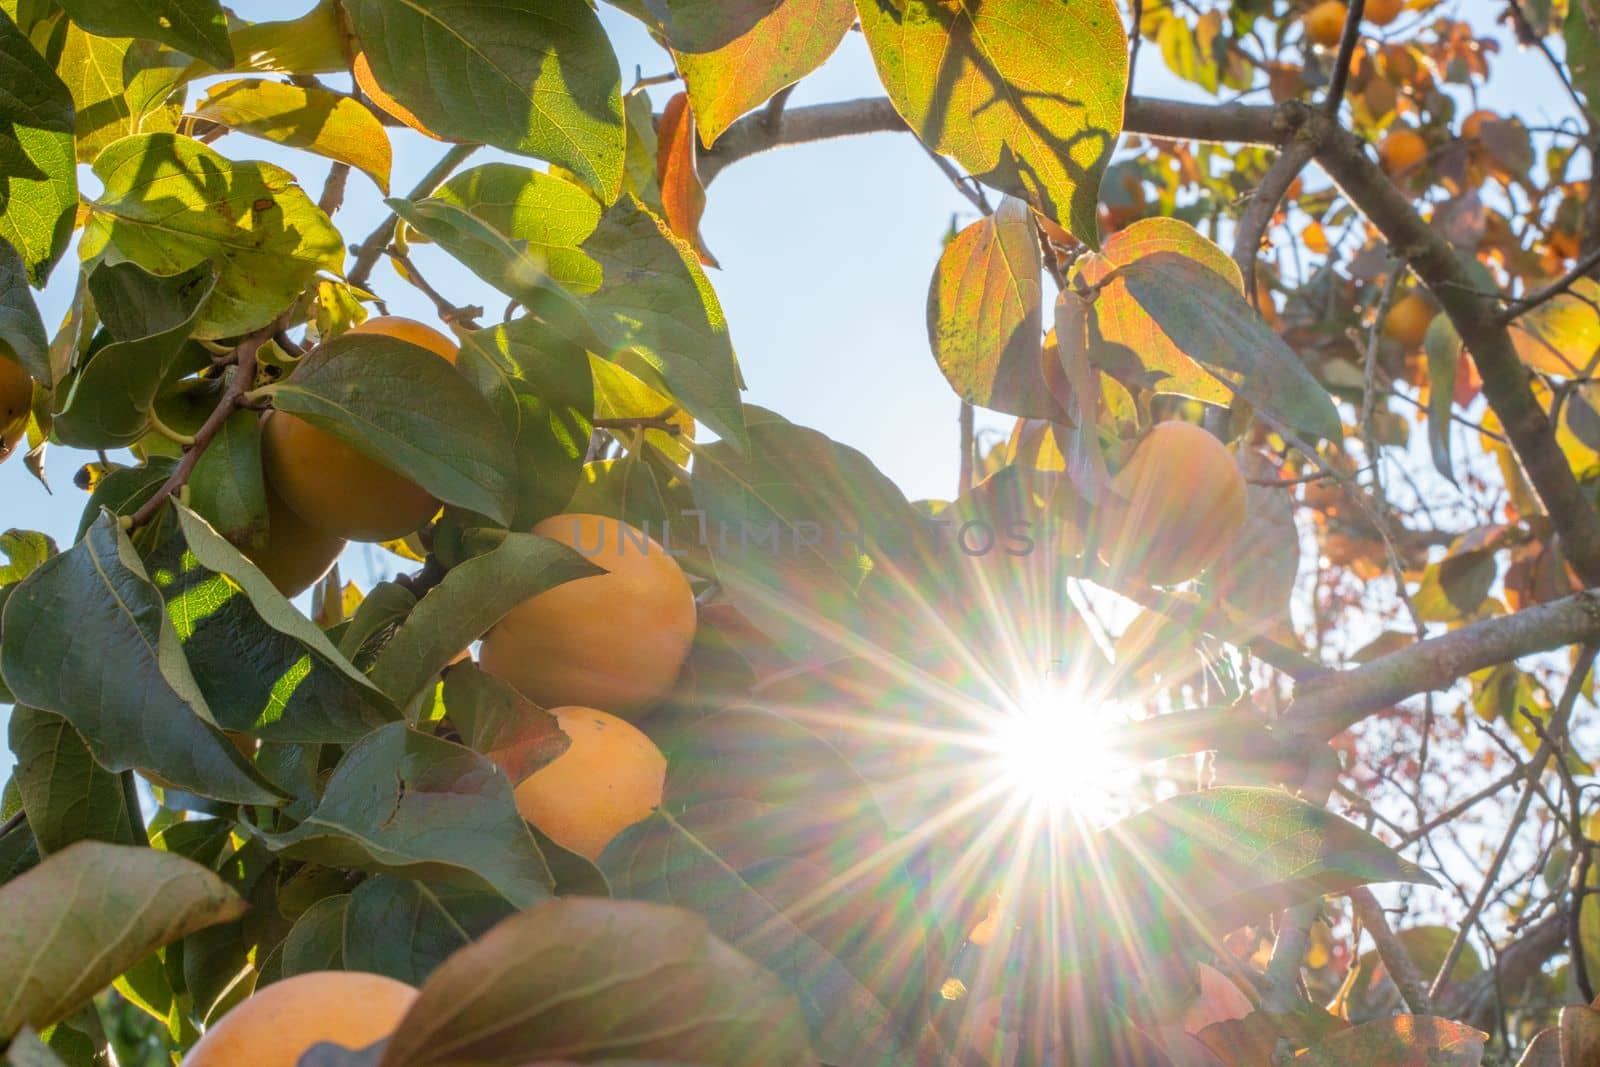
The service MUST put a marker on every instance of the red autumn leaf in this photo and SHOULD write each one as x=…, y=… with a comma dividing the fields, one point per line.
x=682, y=194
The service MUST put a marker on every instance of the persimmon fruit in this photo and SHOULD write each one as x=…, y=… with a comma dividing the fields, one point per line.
x=335, y=487
x=1472, y=125
x=1324, y=23
x=295, y=554
x=1182, y=502
x=1401, y=152
x=1382, y=12
x=609, y=778
x=1408, y=320
x=16, y=396
x=615, y=640
x=276, y=1025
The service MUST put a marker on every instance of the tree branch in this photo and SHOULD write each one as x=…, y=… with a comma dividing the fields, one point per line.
x=1396, y=960
x=1476, y=315
x=1263, y=205
x=1347, y=50
x=369, y=250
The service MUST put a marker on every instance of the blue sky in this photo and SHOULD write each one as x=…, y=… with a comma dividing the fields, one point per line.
x=826, y=251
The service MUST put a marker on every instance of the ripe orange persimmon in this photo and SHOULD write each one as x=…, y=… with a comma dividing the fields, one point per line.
x=1324, y=23
x=1408, y=320
x=1402, y=152
x=295, y=554
x=1382, y=12
x=1472, y=125
x=16, y=396
x=609, y=778
x=335, y=487
x=1182, y=503
x=614, y=640
x=275, y=1026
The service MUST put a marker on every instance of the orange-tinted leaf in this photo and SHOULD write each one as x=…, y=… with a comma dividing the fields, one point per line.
x=682, y=194
x=1219, y=1001
x=385, y=102
x=1401, y=1041
x=317, y=120
x=1124, y=322
x=734, y=54
x=1256, y=576
x=985, y=313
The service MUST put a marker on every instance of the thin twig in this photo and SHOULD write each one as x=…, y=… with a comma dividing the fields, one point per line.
x=244, y=373
x=1341, y=63
x=1136, y=16
x=967, y=446
x=1541, y=758
x=1580, y=270
x=659, y=422
x=368, y=251
x=1396, y=960
x=15, y=820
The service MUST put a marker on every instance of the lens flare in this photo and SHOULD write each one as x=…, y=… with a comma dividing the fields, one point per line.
x=1054, y=750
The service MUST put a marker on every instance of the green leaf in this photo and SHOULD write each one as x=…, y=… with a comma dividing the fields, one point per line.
x=1123, y=322
x=87, y=636
x=1222, y=333
x=676, y=860
x=540, y=385
x=1583, y=51
x=38, y=180
x=494, y=719
x=1028, y=97
x=263, y=666
x=657, y=302
x=792, y=525
x=28, y=1050
x=227, y=487
x=319, y=120
x=314, y=43
x=171, y=203
x=123, y=490
x=405, y=930
x=621, y=393
x=316, y=941
x=22, y=335
x=90, y=912
x=1443, y=347
x=197, y=27
x=414, y=806
x=148, y=319
x=1237, y=852
x=404, y=407
x=734, y=56
x=25, y=550
x=473, y=596
x=582, y=980
x=639, y=167
x=120, y=86
x=67, y=795
x=515, y=268
x=553, y=217
x=986, y=314
x=536, y=77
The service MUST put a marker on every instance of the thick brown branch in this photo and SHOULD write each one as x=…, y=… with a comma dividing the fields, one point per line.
x=1324, y=707
x=1263, y=205
x=1396, y=960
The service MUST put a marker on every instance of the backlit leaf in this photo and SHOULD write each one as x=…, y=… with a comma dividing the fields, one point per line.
x=1401, y=1041
x=171, y=203
x=120, y=86
x=1025, y=95
x=657, y=302
x=1123, y=322
x=734, y=56
x=38, y=182
x=1443, y=347
x=318, y=120
x=1224, y=334
x=531, y=76
x=683, y=197
x=552, y=216
x=1560, y=336
x=986, y=314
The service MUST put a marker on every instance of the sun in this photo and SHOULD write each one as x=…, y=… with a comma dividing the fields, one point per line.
x=1055, y=748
